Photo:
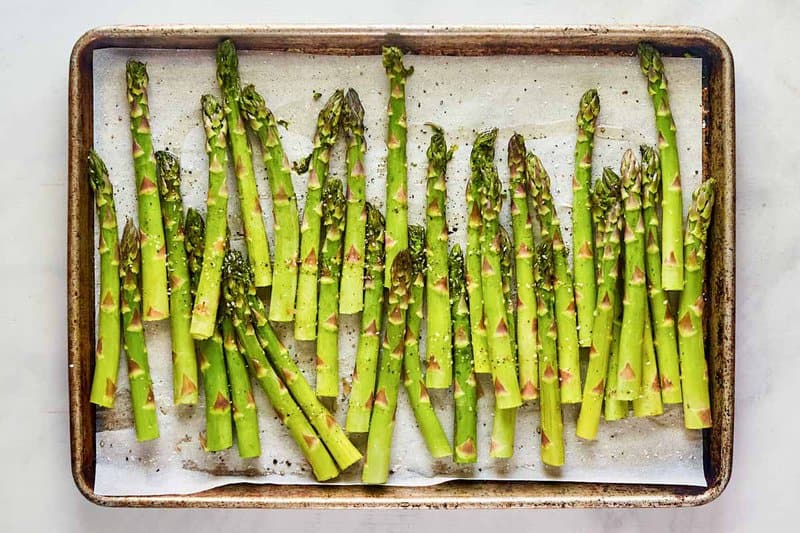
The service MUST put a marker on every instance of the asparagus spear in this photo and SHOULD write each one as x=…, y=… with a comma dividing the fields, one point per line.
x=396, y=165
x=329, y=431
x=237, y=284
x=284, y=204
x=305, y=324
x=552, y=440
x=106, y=365
x=614, y=408
x=255, y=233
x=141, y=385
x=364, y=374
x=439, y=374
x=635, y=299
x=219, y=429
x=465, y=392
x=585, y=286
x=568, y=352
x=480, y=340
x=663, y=322
x=428, y=422
x=245, y=417
x=604, y=194
x=330, y=272
x=184, y=360
x=504, y=372
x=521, y=225
x=594, y=386
x=649, y=401
x=694, y=368
x=381, y=426
x=155, y=300
x=352, y=289
x=204, y=313
x=504, y=423
x=672, y=200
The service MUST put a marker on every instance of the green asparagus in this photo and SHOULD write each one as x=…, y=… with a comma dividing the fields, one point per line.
x=245, y=416
x=649, y=402
x=480, y=339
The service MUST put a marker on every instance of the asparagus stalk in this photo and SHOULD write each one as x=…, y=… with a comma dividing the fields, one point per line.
x=521, y=225
x=285, y=216
x=613, y=408
x=352, y=289
x=666, y=341
x=245, y=417
x=106, y=363
x=694, y=368
x=634, y=302
x=428, y=422
x=602, y=197
x=141, y=385
x=329, y=431
x=237, y=285
x=568, y=351
x=396, y=165
x=552, y=425
x=594, y=386
x=649, y=401
x=465, y=392
x=504, y=372
x=255, y=234
x=381, y=426
x=305, y=324
x=184, y=359
x=333, y=206
x=155, y=300
x=504, y=423
x=480, y=340
x=219, y=429
x=204, y=313
x=582, y=239
x=439, y=374
x=672, y=199
x=365, y=372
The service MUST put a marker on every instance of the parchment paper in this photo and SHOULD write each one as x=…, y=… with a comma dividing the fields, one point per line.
x=536, y=96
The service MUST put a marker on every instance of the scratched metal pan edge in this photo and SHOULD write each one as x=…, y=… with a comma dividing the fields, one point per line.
x=718, y=161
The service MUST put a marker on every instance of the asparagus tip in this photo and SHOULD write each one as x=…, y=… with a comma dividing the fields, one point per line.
x=136, y=75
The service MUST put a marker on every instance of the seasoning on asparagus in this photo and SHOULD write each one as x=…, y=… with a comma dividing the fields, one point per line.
x=333, y=207
x=286, y=220
x=365, y=372
x=206, y=301
x=245, y=417
x=480, y=340
x=504, y=371
x=635, y=295
x=219, y=428
x=155, y=300
x=141, y=385
x=396, y=165
x=236, y=284
x=672, y=201
x=255, y=234
x=568, y=351
x=438, y=343
x=106, y=362
x=582, y=238
x=352, y=286
x=663, y=323
x=521, y=225
x=552, y=425
x=428, y=422
x=381, y=426
x=465, y=394
x=649, y=402
x=305, y=322
x=694, y=367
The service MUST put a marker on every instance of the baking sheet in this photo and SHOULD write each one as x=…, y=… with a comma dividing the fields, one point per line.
x=534, y=95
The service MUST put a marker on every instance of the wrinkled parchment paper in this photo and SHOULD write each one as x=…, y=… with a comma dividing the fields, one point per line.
x=536, y=96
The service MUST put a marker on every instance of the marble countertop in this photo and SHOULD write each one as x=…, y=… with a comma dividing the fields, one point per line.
x=38, y=493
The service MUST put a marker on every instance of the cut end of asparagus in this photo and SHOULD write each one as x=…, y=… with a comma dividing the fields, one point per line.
x=129, y=249
x=588, y=110
x=416, y=247
x=168, y=170
x=393, y=62
x=136, y=75
x=98, y=173
x=228, y=69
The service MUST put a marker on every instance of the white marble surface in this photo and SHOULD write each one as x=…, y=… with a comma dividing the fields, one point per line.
x=36, y=490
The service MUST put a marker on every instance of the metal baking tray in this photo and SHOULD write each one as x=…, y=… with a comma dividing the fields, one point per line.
x=718, y=161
